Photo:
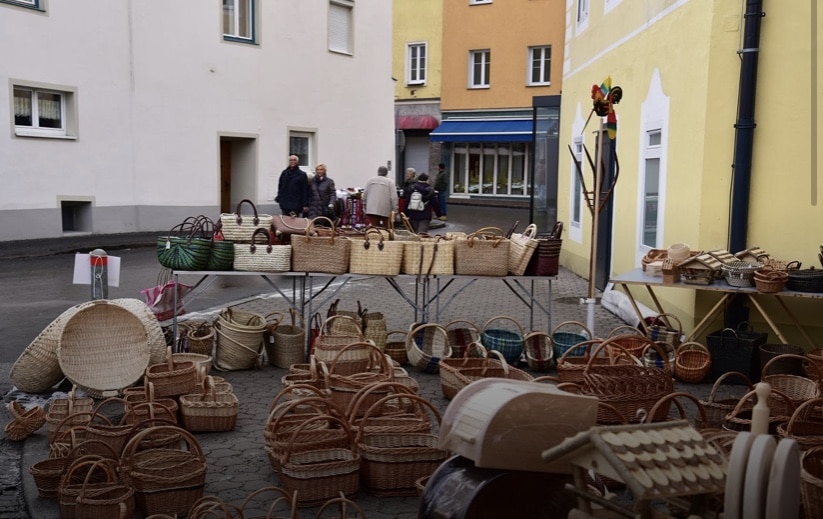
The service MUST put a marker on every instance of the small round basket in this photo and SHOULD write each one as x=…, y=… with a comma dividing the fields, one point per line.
x=769, y=280
x=740, y=273
x=507, y=342
x=426, y=344
x=569, y=334
x=692, y=362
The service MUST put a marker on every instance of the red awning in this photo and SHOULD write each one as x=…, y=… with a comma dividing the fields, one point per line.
x=416, y=122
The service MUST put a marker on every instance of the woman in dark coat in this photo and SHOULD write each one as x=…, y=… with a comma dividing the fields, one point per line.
x=322, y=194
x=420, y=220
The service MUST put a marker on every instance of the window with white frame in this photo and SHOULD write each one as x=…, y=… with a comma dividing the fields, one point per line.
x=416, y=64
x=577, y=186
x=43, y=112
x=540, y=65
x=477, y=2
x=491, y=169
x=32, y=4
x=239, y=20
x=582, y=12
x=650, y=217
x=301, y=143
x=341, y=26
x=479, y=68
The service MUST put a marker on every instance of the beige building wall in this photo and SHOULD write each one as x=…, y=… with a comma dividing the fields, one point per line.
x=507, y=28
x=419, y=21
x=677, y=62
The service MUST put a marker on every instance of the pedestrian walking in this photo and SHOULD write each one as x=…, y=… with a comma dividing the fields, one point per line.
x=441, y=185
x=323, y=194
x=420, y=201
x=379, y=198
x=293, y=189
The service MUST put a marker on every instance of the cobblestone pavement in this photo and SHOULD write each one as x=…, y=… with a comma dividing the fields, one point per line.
x=237, y=463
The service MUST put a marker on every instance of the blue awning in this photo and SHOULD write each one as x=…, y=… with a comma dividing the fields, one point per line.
x=484, y=130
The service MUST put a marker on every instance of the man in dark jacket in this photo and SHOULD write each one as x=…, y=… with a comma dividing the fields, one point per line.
x=293, y=189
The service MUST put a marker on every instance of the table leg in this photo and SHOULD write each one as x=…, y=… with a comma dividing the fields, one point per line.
x=634, y=305
x=709, y=317
x=768, y=319
x=796, y=322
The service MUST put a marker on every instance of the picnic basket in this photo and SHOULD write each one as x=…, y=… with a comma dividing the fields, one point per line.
x=789, y=365
x=166, y=480
x=426, y=344
x=539, y=351
x=92, y=488
x=521, y=249
x=506, y=341
x=717, y=408
x=484, y=252
x=319, y=474
x=61, y=408
x=572, y=363
x=393, y=461
x=273, y=320
x=172, y=378
x=570, y=334
x=239, y=339
x=289, y=342
x=209, y=410
x=692, y=362
x=315, y=253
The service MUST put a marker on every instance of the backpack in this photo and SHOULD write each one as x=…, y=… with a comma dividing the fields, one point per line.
x=416, y=201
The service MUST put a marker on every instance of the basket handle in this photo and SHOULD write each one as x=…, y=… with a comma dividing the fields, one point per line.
x=447, y=351
x=500, y=357
x=608, y=347
x=362, y=396
x=476, y=347
x=557, y=230
x=374, y=354
x=664, y=320
x=239, y=217
x=691, y=345
x=740, y=403
x=723, y=377
x=624, y=330
x=274, y=319
x=672, y=397
x=530, y=344
x=503, y=317
x=326, y=327
x=422, y=404
x=785, y=356
x=612, y=410
x=464, y=321
x=586, y=345
x=300, y=428
x=282, y=497
x=321, y=404
x=310, y=229
x=342, y=502
x=802, y=413
x=582, y=327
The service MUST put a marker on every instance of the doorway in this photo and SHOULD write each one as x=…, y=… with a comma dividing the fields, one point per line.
x=238, y=171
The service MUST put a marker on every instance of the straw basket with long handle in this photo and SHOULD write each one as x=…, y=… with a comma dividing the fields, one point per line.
x=426, y=344
x=521, y=249
x=375, y=256
x=239, y=228
x=200, y=338
x=262, y=257
x=239, y=340
x=506, y=341
x=313, y=253
x=484, y=252
x=273, y=320
x=289, y=342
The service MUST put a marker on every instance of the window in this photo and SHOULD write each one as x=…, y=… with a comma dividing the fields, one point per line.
x=43, y=112
x=651, y=189
x=341, y=26
x=238, y=20
x=416, y=64
x=577, y=186
x=491, y=169
x=540, y=64
x=582, y=11
x=302, y=144
x=33, y=4
x=479, y=2
x=479, y=68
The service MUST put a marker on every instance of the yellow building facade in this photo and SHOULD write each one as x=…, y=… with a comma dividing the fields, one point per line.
x=678, y=63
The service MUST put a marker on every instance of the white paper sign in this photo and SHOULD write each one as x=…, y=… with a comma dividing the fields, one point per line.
x=82, y=270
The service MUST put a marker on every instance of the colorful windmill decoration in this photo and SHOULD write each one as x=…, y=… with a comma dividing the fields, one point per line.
x=604, y=97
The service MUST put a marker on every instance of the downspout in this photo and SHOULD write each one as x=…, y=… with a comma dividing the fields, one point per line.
x=744, y=127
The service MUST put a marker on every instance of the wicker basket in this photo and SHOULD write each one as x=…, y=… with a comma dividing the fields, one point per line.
x=426, y=344
x=786, y=365
x=630, y=339
x=274, y=499
x=570, y=367
x=209, y=410
x=289, y=342
x=25, y=422
x=314, y=253
x=461, y=333
x=104, y=348
x=429, y=256
x=396, y=416
x=770, y=281
x=522, y=247
x=455, y=374
x=657, y=414
x=92, y=488
x=143, y=404
x=797, y=389
x=806, y=280
x=564, y=340
x=506, y=341
x=172, y=378
x=539, y=351
x=166, y=480
x=100, y=427
x=344, y=386
x=334, y=337
x=805, y=425
x=61, y=408
x=393, y=461
x=374, y=256
x=396, y=349
x=239, y=340
x=717, y=408
x=199, y=337
x=692, y=362
x=740, y=418
x=660, y=329
x=202, y=362
x=485, y=252
x=811, y=481
x=320, y=474
x=740, y=273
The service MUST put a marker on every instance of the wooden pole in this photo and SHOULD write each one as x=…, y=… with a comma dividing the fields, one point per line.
x=598, y=182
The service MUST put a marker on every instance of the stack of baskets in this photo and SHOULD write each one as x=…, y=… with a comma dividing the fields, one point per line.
x=769, y=280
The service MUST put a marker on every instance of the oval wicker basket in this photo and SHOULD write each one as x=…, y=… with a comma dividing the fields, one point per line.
x=426, y=344
x=692, y=362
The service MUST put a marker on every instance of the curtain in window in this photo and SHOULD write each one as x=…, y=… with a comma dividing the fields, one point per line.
x=48, y=106
x=22, y=103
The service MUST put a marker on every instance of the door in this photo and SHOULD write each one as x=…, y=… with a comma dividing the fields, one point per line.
x=225, y=177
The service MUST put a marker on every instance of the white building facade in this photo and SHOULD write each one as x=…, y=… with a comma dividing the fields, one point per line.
x=129, y=116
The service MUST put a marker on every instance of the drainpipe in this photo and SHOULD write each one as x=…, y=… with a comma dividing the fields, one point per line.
x=744, y=127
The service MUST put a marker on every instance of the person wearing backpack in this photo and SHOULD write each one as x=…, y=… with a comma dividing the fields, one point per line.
x=419, y=197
